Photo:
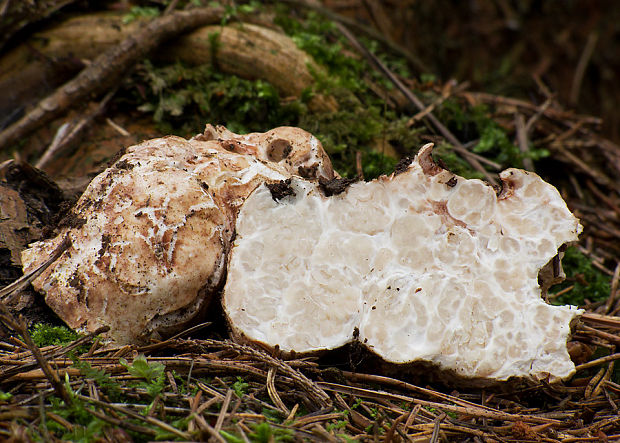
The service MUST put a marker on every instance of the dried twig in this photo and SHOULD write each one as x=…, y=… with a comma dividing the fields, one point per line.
x=476, y=411
x=23, y=366
x=128, y=412
x=522, y=141
x=273, y=393
x=222, y=415
x=584, y=59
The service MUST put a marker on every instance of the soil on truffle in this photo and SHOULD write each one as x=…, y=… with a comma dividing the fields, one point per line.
x=308, y=172
x=335, y=186
x=280, y=189
x=71, y=220
x=402, y=165
x=123, y=164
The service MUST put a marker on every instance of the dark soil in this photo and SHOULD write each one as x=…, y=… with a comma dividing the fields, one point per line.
x=280, y=189
x=335, y=186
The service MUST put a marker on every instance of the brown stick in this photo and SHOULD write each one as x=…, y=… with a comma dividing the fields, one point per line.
x=584, y=59
x=550, y=112
x=106, y=69
x=604, y=320
x=522, y=140
x=611, y=338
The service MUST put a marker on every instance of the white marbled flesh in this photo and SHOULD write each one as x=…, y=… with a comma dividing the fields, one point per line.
x=428, y=266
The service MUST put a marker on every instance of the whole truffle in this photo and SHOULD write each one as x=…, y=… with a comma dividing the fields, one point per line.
x=150, y=235
x=420, y=266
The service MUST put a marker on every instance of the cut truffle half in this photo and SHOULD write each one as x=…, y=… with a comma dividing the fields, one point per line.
x=426, y=265
x=152, y=232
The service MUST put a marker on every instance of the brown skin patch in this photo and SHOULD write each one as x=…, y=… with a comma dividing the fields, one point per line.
x=429, y=167
x=236, y=146
x=508, y=187
x=278, y=150
x=441, y=209
x=308, y=172
x=280, y=189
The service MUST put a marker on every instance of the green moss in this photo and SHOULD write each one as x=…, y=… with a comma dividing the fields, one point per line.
x=265, y=433
x=181, y=99
x=240, y=386
x=137, y=12
x=590, y=283
x=85, y=426
x=103, y=380
x=46, y=335
x=474, y=124
x=320, y=38
x=152, y=373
